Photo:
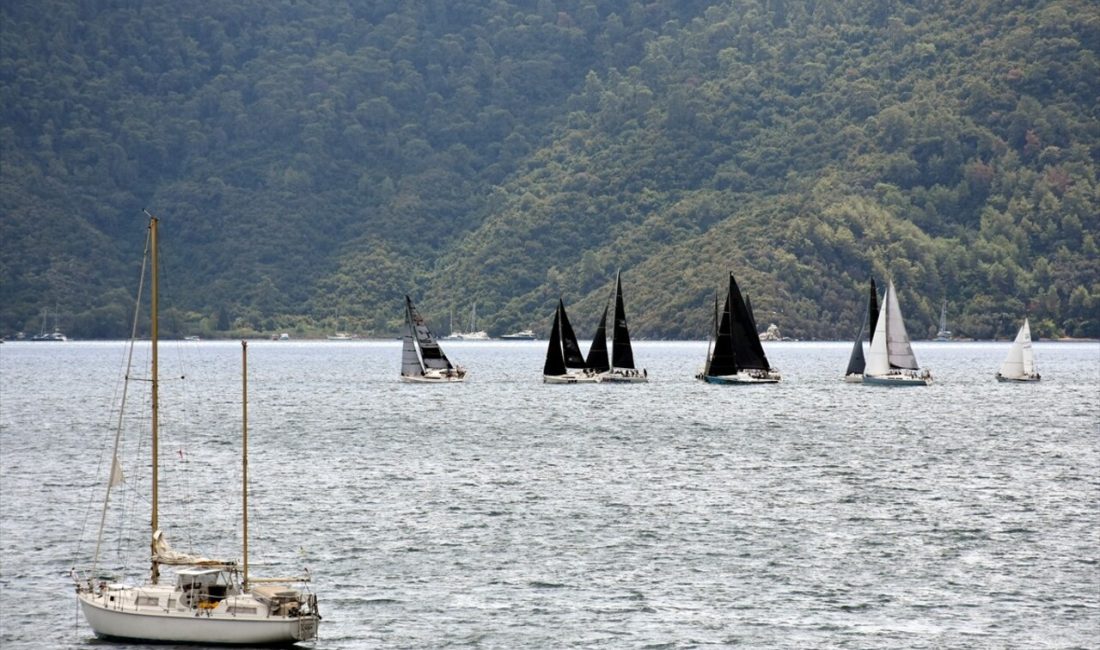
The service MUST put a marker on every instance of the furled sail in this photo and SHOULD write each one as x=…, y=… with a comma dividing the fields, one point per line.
x=163, y=553
x=622, y=356
x=597, y=354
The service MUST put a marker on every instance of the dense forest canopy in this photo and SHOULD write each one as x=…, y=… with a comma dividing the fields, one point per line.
x=313, y=161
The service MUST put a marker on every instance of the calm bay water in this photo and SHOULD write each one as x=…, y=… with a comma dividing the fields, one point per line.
x=505, y=513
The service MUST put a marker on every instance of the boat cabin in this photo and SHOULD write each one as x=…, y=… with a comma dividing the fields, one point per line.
x=204, y=588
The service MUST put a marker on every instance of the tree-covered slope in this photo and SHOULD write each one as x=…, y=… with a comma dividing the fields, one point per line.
x=316, y=160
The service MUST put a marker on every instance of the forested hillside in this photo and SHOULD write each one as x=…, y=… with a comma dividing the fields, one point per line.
x=313, y=161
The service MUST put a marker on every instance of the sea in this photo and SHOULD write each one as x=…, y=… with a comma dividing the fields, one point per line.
x=506, y=513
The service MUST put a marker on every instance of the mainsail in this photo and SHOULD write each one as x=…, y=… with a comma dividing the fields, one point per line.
x=721, y=360
x=747, y=351
x=856, y=362
x=555, y=361
x=569, y=345
x=421, y=351
x=622, y=356
x=1021, y=358
x=890, y=348
x=597, y=354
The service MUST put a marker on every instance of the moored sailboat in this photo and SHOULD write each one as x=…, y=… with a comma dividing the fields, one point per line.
x=564, y=363
x=857, y=362
x=211, y=601
x=737, y=356
x=472, y=334
x=943, y=334
x=422, y=359
x=891, y=361
x=1019, y=365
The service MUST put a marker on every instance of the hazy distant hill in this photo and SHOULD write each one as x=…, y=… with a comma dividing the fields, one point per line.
x=314, y=161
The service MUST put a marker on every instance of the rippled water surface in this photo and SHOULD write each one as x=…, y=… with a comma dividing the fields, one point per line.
x=505, y=513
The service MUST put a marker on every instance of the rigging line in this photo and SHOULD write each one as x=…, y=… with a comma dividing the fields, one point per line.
x=122, y=409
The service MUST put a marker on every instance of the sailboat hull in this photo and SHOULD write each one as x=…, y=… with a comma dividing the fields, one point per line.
x=125, y=619
x=1026, y=379
x=743, y=377
x=572, y=378
x=898, y=380
x=436, y=377
x=624, y=376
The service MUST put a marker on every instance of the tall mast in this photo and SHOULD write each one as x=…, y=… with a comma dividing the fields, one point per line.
x=154, y=333
x=244, y=457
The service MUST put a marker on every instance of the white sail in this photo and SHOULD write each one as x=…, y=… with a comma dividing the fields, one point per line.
x=878, y=357
x=1020, y=361
x=897, y=339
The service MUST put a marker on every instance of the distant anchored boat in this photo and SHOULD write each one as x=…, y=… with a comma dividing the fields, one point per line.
x=522, y=335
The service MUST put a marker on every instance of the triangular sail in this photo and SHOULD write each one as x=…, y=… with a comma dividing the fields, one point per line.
x=1020, y=361
x=872, y=309
x=410, y=360
x=899, y=351
x=747, y=351
x=721, y=360
x=555, y=361
x=431, y=355
x=622, y=356
x=569, y=345
x=597, y=354
x=856, y=362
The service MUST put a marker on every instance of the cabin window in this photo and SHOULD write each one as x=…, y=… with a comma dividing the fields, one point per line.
x=239, y=609
x=147, y=601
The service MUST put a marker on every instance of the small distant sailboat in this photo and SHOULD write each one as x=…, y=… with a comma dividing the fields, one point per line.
x=736, y=357
x=622, y=369
x=564, y=363
x=422, y=360
x=1019, y=365
x=857, y=362
x=211, y=601
x=522, y=335
x=473, y=334
x=891, y=361
x=943, y=334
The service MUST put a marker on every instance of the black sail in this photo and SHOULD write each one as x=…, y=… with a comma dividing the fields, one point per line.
x=872, y=310
x=555, y=361
x=747, y=351
x=597, y=354
x=721, y=359
x=621, y=354
x=857, y=362
x=569, y=345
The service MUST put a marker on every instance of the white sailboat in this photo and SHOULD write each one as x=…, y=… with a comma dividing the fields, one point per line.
x=210, y=601
x=1019, y=365
x=472, y=334
x=943, y=334
x=891, y=361
x=422, y=360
